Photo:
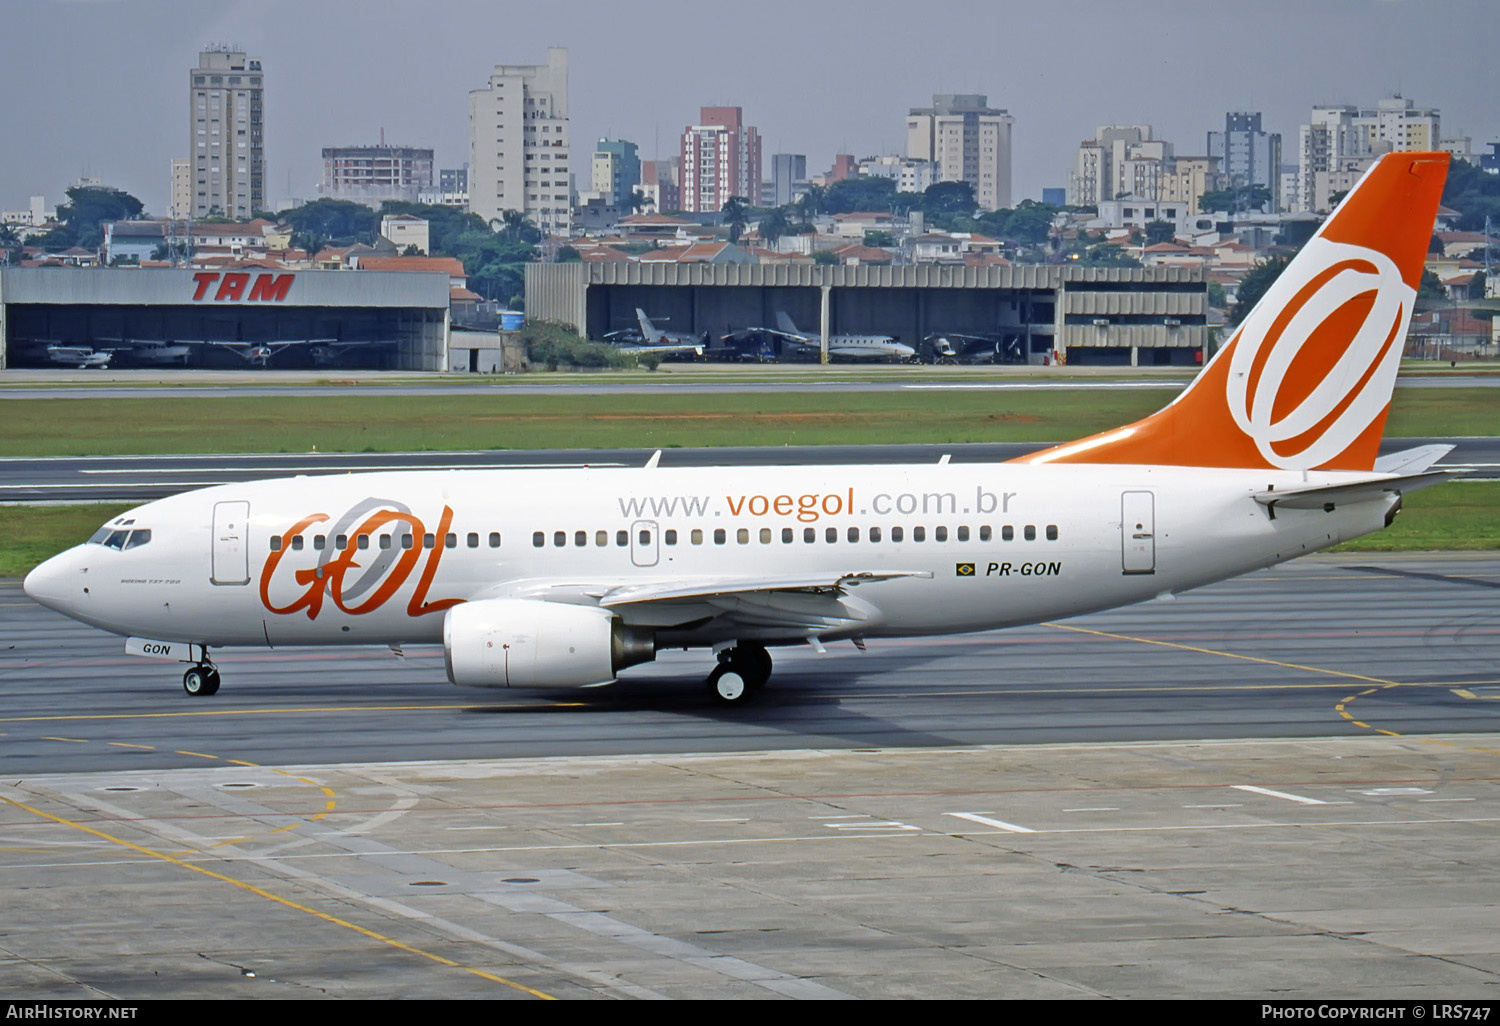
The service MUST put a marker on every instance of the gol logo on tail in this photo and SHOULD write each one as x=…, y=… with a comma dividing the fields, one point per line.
x=1293, y=389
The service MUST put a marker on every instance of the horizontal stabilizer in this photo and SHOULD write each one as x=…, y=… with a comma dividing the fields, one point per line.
x=1368, y=490
x=1411, y=461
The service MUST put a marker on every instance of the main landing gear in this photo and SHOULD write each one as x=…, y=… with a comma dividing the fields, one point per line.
x=742, y=671
x=202, y=679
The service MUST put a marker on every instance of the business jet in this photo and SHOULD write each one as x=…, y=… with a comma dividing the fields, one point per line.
x=653, y=340
x=793, y=342
x=561, y=578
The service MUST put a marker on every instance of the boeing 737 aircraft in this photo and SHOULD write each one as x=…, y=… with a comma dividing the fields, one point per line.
x=563, y=577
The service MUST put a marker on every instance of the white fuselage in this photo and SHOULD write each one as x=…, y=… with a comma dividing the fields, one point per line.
x=281, y=562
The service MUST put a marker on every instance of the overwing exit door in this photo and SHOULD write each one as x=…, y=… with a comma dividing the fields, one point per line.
x=643, y=542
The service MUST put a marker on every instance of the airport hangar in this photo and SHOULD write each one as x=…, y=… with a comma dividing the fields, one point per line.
x=1100, y=315
x=366, y=319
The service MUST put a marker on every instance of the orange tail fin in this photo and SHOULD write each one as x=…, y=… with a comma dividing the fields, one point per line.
x=1306, y=381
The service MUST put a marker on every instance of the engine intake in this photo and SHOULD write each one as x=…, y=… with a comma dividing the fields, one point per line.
x=527, y=643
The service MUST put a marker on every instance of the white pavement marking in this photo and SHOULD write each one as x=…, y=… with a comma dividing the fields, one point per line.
x=998, y=824
x=1280, y=794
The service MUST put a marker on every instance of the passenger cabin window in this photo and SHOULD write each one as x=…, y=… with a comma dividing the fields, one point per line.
x=473, y=540
x=622, y=538
x=984, y=533
x=1052, y=532
x=363, y=541
x=963, y=534
x=297, y=543
x=494, y=539
x=1007, y=533
x=874, y=534
x=918, y=534
x=742, y=536
x=560, y=538
x=538, y=539
x=385, y=541
x=897, y=534
x=1031, y=532
x=940, y=534
x=670, y=537
x=719, y=536
x=580, y=538
x=697, y=536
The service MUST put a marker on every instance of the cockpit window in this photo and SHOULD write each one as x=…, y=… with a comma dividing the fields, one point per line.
x=121, y=538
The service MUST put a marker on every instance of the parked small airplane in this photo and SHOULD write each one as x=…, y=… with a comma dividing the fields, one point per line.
x=78, y=356
x=790, y=342
x=654, y=340
x=554, y=578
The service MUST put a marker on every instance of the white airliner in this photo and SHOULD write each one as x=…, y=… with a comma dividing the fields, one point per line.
x=561, y=578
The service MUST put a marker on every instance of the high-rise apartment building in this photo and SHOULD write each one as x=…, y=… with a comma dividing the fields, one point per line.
x=180, y=208
x=968, y=140
x=226, y=134
x=1339, y=141
x=1248, y=156
x=373, y=174
x=616, y=171
x=788, y=178
x=518, y=143
x=720, y=159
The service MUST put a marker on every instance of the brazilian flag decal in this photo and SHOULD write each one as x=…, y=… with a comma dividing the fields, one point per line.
x=965, y=569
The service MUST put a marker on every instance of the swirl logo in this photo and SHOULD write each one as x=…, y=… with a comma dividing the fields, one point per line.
x=1314, y=364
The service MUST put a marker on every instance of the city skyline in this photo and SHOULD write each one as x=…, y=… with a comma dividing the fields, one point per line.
x=833, y=78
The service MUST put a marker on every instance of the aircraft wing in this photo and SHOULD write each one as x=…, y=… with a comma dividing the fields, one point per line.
x=797, y=606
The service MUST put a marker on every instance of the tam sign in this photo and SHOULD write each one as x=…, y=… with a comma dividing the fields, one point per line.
x=236, y=286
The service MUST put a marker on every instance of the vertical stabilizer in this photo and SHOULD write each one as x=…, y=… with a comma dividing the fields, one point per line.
x=650, y=332
x=1306, y=380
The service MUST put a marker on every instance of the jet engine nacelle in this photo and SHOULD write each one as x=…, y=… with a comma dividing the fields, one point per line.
x=525, y=643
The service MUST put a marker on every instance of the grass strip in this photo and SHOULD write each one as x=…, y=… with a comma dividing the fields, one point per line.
x=668, y=419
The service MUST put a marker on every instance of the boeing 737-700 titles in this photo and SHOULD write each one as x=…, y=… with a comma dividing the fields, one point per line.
x=563, y=577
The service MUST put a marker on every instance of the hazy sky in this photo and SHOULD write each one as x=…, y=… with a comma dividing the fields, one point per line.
x=99, y=86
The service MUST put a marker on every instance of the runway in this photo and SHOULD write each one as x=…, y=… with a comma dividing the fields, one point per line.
x=1284, y=784
x=141, y=478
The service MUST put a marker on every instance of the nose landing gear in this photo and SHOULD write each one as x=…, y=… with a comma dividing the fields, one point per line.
x=202, y=679
x=742, y=671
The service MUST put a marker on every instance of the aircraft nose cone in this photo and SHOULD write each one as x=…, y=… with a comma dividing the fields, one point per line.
x=52, y=583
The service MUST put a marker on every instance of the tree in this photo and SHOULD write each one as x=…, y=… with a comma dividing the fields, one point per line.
x=825, y=259
x=735, y=211
x=1030, y=224
x=859, y=193
x=774, y=225
x=335, y=222
x=1473, y=193
x=84, y=214
x=568, y=255
x=879, y=238
x=1431, y=287
x=1254, y=285
x=809, y=203
x=948, y=198
x=1296, y=233
x=1160, y=231
x=1237, y=199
